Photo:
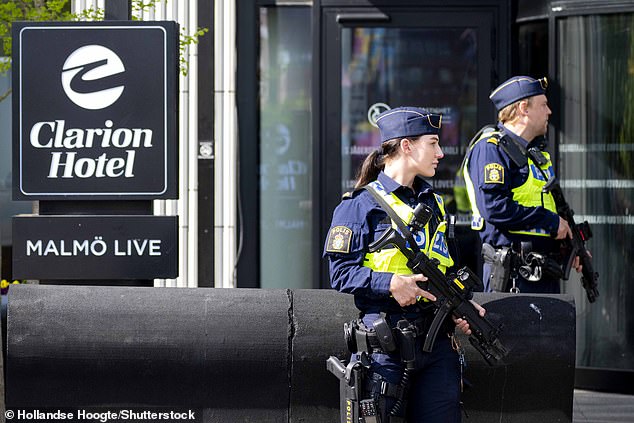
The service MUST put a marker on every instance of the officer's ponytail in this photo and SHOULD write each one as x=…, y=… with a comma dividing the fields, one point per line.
x=374, y=163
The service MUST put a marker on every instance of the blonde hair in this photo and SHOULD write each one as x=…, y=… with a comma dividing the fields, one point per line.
x=509, y=113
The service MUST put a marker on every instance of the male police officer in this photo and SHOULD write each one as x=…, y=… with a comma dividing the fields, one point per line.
x=505, y=171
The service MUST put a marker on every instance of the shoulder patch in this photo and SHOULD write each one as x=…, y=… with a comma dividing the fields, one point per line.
x=493, y=140
x=339, y=239
x=493, y=173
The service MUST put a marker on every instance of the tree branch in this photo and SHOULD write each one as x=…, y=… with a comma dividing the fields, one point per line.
x=5, y=95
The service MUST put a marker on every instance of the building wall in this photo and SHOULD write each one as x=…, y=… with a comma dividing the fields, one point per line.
x=542, y=39
x=185, y=13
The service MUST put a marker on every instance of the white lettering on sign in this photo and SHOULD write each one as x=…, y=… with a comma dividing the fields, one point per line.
x=95, y=247
x=74, y=164
x=86, y=167
x=130, y=247
x=53, y=135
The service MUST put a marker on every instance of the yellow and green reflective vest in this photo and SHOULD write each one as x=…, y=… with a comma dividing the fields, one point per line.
x=529, y=194
x=434, y=247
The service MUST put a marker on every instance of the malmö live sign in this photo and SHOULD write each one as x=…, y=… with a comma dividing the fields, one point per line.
x=93, y=109
x=80, y=247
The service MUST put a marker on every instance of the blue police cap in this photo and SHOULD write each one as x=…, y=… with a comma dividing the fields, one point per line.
x=516, y=89
x=402, y=122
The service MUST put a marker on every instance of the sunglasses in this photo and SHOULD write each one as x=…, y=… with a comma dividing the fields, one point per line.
x=435, y=120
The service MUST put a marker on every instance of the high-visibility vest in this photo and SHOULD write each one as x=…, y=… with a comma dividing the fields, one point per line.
x=435, y=247
x=529, y=194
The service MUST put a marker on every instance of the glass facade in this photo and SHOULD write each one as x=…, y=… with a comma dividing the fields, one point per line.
x=380, y=70
x=532, y=49
x=595, y=71
x=285, y=147
x=8, y=208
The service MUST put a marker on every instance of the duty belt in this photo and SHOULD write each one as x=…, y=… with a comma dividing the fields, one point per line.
x=507, y=263
x=382, y=337
x=360, y=338
x=377, y=385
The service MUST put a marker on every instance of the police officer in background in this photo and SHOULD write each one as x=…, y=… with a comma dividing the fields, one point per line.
x=384, y=288
x=505, y=169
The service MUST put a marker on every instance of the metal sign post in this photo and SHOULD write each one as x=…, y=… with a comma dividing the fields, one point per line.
x=118, y=10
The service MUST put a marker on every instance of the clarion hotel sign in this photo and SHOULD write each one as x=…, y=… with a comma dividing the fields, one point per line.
x=93, y=117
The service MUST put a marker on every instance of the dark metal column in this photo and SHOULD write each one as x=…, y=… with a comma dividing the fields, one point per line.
x=206, y=146
x=120, y=10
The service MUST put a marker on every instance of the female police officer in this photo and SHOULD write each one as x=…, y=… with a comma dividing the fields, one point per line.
x=382, y=284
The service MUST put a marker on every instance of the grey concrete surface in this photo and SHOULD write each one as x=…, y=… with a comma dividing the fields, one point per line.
x=602, y=407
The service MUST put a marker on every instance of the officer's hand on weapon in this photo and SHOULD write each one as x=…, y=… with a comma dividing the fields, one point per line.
x=463, y=325
x=563, y=231
x=576, y=264
x=406, y=292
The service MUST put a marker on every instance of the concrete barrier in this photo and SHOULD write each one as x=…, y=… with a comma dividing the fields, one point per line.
x=251, y=355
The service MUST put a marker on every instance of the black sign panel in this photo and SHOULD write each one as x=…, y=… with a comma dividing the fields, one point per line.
x=95, y=108
x=95, y=247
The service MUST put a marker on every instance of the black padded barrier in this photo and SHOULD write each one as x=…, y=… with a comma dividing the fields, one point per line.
x=535, y=381
x=253, y=355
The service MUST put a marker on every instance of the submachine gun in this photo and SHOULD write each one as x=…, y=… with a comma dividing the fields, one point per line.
x=451, y=291
x=577, y=245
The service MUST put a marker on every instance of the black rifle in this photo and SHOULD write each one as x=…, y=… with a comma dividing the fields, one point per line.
x=577, y=245
x=451, y=291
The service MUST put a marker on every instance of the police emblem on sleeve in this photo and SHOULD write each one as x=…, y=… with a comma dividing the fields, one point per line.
x=493, y=173
x=339, y=239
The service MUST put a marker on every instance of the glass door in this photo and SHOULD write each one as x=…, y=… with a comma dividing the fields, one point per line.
x=595, y=73
x=285, y=160
x=434, y=68
x=444, y=61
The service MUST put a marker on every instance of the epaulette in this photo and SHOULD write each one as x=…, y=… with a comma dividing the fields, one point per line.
x=515, y=151
x=351, y=194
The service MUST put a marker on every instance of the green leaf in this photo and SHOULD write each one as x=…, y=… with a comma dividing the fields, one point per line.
x=59, y=10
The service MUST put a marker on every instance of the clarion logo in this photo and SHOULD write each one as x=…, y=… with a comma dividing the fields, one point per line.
x=92, y=77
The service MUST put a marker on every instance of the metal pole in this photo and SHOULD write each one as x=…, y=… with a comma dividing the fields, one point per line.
x=118, y=10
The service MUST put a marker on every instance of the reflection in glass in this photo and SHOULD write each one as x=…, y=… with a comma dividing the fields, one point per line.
x=433, y=68
x=596, y=141
x=8, y=208
x=285, y=172
x=532, y=49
